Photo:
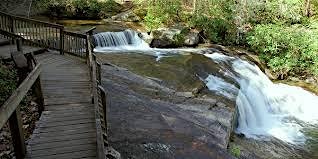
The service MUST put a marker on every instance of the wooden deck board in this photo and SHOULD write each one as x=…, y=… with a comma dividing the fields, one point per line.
x=66, y=128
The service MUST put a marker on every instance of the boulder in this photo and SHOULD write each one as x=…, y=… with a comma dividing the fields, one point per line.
x=192, y=39
x=128, y=16
x=164, y=37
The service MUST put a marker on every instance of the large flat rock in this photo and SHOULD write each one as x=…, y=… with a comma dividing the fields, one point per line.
x=148, y=120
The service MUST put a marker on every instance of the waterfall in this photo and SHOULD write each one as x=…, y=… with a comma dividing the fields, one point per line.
x=125, y=40
x=265, y=108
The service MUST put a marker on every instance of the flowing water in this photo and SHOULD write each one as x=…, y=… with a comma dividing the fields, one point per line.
x=265, y=109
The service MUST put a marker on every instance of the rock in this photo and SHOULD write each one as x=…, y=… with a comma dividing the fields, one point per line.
x=128, y=16
x=192, y=39
x=220, y=104
x=212, y=106
x=310, y=80
x=184, y=94
x=146, y=37
x=161, y=43
x=199, y=88
x=270, y=74
x=164, y=37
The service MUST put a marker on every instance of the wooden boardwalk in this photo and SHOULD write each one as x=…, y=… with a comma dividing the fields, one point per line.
x=66, y=128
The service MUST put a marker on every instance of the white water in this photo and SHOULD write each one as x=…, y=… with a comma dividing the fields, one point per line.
x=125, y=40
x=265, y=108
x=129, y=41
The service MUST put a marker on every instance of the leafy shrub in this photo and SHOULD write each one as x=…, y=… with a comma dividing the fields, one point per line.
x=286, y=50
x=79, y=8
x=273, y=11
x=217, y=30
x=162, y=12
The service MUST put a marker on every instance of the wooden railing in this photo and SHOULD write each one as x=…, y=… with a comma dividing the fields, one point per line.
x=100, y=104
x=44, y=34
x=53, y=36
x=10, y=110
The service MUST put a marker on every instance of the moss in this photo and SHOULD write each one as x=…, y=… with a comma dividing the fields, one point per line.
x=235, y=151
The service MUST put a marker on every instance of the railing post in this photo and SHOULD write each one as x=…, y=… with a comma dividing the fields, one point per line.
x=19, y=45
x=87, y=49
x=62, y=41
x=11, y=24
x=17, y=134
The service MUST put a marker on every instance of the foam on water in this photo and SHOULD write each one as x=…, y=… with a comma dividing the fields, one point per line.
x=117, y=41
x=265, y=108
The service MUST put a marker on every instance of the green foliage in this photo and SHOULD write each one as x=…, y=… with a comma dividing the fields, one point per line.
x=286, y=50
x=273, y=11
x=162, y=12
x=95, y=9
x=215, y=18
x=217, y=30
x=180, y=38
x=7, y=82
x=235, y=151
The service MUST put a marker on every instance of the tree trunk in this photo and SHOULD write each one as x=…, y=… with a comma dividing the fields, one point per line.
x=307, y=8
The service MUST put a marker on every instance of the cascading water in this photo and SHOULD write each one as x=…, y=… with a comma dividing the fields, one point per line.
x=265, y=108
x=129, y=40
x=125, y=40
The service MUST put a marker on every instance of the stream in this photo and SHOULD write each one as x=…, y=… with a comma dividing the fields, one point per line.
x=272, y=120
x=266, y=111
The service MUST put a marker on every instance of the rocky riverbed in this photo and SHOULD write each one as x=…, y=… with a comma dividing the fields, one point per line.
x=162, y=110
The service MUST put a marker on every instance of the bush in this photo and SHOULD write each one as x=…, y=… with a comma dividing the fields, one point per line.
x=162, y=12
x=287, y=50
x=216, y=30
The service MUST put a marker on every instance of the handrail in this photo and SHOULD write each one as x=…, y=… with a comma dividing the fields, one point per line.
x=13, y=102
x=96, y=99
x=44, y=34
x=10, y=110
x=33, y=20
x=55, y=37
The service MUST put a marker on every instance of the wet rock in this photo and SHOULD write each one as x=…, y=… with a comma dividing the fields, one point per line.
x=128, y=16
x=146, y=37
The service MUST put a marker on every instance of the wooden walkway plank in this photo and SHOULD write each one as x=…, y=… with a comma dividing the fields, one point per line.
x=66, y=128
